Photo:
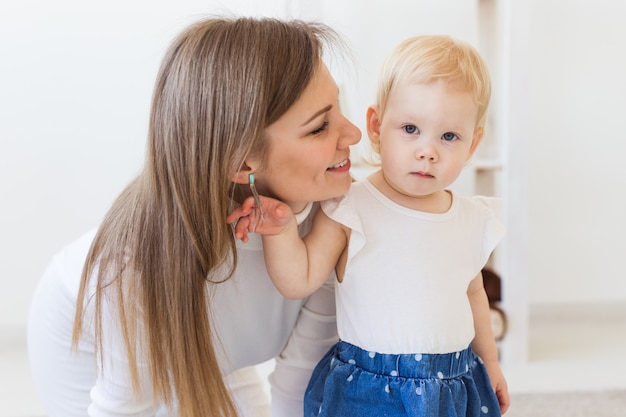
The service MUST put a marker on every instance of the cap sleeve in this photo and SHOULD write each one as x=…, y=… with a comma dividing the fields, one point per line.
x=343, y=210
x=494, y=229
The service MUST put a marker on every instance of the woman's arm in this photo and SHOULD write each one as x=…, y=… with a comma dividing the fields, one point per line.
x=314, y=333
x=248, y=392
x=484, y=343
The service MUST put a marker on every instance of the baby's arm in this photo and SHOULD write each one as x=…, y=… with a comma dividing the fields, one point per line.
x=484, y=343
x=297, y=267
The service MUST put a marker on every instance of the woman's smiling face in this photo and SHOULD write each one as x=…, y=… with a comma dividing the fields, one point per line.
x=308, y=158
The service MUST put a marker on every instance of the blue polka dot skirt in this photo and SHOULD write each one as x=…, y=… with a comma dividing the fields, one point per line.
x=350, y=381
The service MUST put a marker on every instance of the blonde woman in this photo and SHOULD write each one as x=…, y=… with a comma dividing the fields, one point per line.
x=160, y=311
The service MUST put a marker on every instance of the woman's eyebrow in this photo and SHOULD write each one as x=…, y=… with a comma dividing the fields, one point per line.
x=324, y=110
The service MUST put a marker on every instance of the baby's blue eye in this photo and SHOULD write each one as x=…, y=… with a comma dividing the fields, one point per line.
x=449, y=137
x=411, y=129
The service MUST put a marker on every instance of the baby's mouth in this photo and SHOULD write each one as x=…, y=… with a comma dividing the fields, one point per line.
x=423, y=174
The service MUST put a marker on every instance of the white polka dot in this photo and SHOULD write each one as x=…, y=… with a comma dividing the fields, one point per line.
x=372, y=354
x=418, y=357
x=458, y=355
x=350, y=378
x=418, y=390
x=394, y=373
x=387, y=390
x=484, y=409
x=351, y=361
x=440, y=375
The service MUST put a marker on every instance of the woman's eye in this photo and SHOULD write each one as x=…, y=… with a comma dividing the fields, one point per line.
x=449, y=137
x=410, y=129
x=320, y=129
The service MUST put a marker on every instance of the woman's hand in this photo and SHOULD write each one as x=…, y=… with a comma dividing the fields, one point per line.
x=270, y=219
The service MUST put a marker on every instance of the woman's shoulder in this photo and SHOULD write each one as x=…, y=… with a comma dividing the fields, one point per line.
x=68, y=262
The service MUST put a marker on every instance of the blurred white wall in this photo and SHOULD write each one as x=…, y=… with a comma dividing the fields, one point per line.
x=577, y=147
x=75, y=86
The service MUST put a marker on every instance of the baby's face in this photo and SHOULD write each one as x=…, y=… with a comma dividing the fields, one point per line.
x=427, y=134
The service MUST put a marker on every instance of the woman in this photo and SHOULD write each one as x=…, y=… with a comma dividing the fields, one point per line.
x=170, y=309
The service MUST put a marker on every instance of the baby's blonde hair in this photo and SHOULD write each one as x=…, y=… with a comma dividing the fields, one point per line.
x=427, y=58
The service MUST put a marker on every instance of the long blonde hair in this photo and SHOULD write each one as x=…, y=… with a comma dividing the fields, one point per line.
x=163, y=242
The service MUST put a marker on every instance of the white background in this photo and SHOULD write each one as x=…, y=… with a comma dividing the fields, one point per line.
x=75, y=85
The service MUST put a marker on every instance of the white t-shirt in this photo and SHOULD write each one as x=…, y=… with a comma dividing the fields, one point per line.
x=407, y=272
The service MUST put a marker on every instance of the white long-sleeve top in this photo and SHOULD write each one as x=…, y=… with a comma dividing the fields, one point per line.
x=253, y=322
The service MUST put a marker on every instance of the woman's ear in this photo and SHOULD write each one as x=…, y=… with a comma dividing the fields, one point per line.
x=242, y=175
x=373, y=124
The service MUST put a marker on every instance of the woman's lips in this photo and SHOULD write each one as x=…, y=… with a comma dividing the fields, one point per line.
x=342, y=166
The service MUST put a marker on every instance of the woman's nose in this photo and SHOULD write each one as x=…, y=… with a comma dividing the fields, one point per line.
x=350, y=134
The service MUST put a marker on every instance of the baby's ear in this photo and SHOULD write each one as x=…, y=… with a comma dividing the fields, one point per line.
x=373, y=124
x=479, y=133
